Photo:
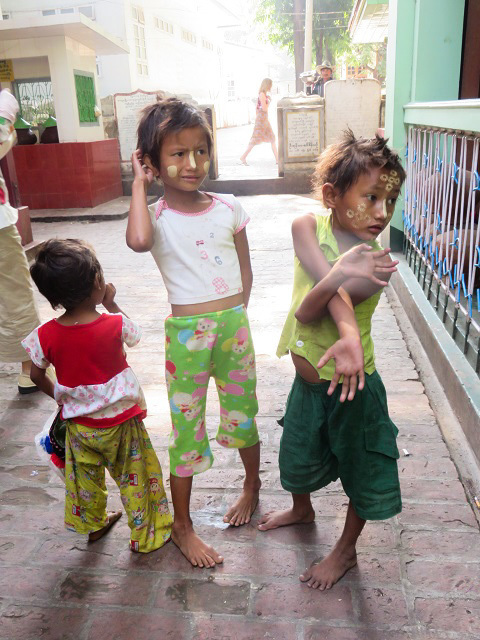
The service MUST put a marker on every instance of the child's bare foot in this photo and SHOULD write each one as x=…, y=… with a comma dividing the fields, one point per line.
x=113, y=516
x=242, y=509
x=329, y=571
x=194, y=548
x=275, y=519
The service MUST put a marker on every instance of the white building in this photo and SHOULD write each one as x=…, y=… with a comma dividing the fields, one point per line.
x=178, y=46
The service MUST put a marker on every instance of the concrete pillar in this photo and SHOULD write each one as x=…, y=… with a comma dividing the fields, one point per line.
x=63, y=89
x=307, y=65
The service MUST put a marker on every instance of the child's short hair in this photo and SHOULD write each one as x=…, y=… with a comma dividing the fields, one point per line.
x=342, y=163
x=164, y=117
x=65, y=271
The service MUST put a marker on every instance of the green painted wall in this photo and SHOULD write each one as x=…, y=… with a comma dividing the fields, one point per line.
x=423, y=62
x=437, y=50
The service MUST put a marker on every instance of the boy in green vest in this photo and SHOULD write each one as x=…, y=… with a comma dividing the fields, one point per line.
x=339, y=272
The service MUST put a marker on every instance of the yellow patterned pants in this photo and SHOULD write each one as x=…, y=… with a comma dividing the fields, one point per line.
x=126, y=451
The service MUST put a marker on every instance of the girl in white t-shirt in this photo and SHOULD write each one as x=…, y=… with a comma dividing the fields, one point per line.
x=199, y=243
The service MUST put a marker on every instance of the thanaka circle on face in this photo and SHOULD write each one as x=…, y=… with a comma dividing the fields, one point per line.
x=172, y=171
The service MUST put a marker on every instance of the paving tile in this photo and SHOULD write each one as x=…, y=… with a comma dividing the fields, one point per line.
x=120, y=589
x=125, y=625
x=26, y=622
x=376, y=605
x=31, y=520
x=420, y=466
x=314, y=632
x=30, y=582
x=299, y=601
x=455, y=579
x=228, y=629
x=438, y=490
x=451, y=516
x=440, y=544
x=258, y=561
x=459, y=616
x=15, y=548
x=210, y=594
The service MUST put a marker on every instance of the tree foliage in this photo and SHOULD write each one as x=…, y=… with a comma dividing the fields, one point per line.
x=283, y=23
x=371, y=56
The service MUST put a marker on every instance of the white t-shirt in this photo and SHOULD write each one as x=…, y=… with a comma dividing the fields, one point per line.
x=195, y=252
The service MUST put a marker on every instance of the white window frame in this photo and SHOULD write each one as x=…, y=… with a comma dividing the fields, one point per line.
x=189, y=37
x=163, y=25
x=138, y=20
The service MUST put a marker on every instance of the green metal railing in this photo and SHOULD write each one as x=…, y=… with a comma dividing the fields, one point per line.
x=35, y=99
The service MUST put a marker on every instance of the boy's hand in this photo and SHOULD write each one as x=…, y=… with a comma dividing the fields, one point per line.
x=108, y=298
x=141, y=172
x=362, y=262
x=348, y=355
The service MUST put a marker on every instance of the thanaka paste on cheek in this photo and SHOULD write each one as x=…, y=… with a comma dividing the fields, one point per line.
x=360, y=216
x=206, y=166
x=172, y=171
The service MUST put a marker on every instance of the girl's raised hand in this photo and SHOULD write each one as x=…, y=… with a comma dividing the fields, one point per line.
x=362, y=262
x=110, y=293
x=141, y=171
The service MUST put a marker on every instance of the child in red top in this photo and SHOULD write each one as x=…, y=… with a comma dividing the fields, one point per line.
x=100, y=398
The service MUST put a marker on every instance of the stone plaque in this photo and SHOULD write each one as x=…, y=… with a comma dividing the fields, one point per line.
x=127, y=114
x=352, y=104
x=302, y=134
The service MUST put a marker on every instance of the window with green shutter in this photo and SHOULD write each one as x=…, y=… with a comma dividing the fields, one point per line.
x=85, y=89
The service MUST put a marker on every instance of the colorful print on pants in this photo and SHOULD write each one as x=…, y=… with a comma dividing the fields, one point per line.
x=126, y=451
x=217, y=344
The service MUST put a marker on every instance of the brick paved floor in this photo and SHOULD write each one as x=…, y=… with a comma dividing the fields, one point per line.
x=417, y=576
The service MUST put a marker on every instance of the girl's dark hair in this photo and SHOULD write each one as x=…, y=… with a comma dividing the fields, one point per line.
x=164, y=117
x=65, y=271
x=342, y=163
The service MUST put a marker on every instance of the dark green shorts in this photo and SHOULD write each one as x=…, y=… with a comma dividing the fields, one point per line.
x=324, y=439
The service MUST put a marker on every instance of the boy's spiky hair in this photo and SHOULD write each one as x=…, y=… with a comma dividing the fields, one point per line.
x=342, y=163
x=166, y=116
x=65, y=271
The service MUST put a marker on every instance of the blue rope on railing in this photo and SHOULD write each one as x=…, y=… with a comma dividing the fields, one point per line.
x=439, y=165
x=455, y=238
x=456, y=169
x=477, y=180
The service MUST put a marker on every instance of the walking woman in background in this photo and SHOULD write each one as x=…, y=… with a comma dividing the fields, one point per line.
x=262, y=131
